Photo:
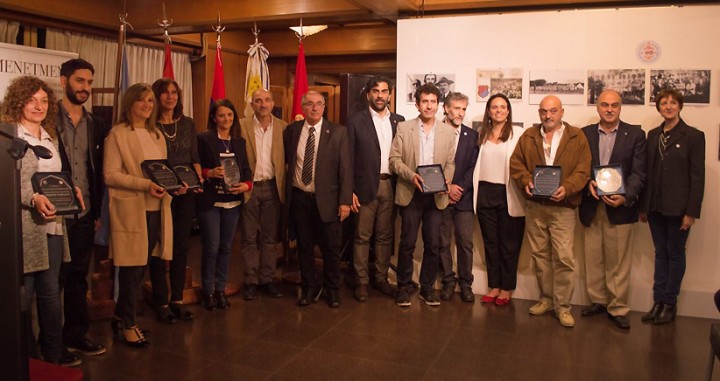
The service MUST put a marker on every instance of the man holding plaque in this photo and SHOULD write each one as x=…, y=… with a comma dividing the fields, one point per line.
x=263, y=204
x=371, y=132
x=552, y=149
x=609, y=208
x=319, y=195
x=81, y=137
x=458, y=216
x=427, y=145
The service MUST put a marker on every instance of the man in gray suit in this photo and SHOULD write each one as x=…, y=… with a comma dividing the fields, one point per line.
x=421, y=141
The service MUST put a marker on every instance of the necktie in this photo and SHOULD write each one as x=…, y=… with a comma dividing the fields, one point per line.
x=307, y=170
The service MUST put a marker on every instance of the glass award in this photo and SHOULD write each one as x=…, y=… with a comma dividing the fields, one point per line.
x=609, y=179
x=186, y=173
x=59, y=189
x=232, y=172
x=160, y=172
x=546, y=179
x=433, y=178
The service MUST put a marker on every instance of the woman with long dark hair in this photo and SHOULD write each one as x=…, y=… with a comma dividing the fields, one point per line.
x=28, y=102
x=181, y=140
x=499, y=204
x=672, y=199
x=219, y=204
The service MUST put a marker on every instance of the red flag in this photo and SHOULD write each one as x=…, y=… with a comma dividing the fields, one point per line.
x=301, y=83
x=218, y=91
x=167, y=66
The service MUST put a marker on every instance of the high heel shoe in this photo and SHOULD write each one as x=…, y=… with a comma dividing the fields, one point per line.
x=134, y=337
x=179, y=310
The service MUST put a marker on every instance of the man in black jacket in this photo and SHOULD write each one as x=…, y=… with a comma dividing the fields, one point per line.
x=371, y=132
x=81, y=137
x=609, y=219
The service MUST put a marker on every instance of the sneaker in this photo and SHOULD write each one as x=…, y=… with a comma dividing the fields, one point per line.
x=430, y=298
x=566, y=319
x=540, y=308
x=386, y=288
x=250, y=291
x=271, y=289
x=447, y=291
x=361, y=293
x=68, y=359
x=402, y=298
x=87, y=347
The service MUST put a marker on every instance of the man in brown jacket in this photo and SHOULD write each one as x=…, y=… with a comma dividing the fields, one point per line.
x=550, y=221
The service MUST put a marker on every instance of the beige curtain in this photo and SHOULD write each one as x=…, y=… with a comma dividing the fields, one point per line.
x=145, y=64
x=9, y=31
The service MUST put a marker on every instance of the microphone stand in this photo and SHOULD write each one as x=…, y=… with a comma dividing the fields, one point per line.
x=13, y=352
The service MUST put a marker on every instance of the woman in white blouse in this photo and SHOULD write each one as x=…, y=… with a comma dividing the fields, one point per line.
x=499, y=204
x=27, y=104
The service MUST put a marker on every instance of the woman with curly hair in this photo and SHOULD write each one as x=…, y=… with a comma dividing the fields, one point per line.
x=140, y=219
x=27, y=104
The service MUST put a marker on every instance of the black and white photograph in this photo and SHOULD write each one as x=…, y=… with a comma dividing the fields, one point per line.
x=630, y=83
x=507, y=81
x=693, y=84
x=568, y=85
x=444, y=82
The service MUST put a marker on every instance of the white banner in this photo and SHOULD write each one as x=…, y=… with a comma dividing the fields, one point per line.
x=18, y=60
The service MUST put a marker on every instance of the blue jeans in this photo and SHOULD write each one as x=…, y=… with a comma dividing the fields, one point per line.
x=669, y=241
x=218, y=230
x=45, y=286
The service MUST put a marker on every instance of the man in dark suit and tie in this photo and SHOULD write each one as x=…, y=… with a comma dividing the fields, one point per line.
x=319, y=195
x=609, y=219
x=371, y=132
x=459, y=214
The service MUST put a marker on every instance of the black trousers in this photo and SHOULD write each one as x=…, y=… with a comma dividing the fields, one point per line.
x=421, y=208
x=183, y=212
x=502, y=235
x=311, y=231
x=73, y=278
x=130, y=277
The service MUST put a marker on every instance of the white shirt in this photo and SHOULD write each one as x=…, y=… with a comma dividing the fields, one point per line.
x=492, y=162
x=427, y=145
x=297, y=181
x=264, y=168
x=383, y=129
x=551, y=148
x=53, y=164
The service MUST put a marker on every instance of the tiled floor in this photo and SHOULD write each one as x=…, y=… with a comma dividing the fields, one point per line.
x=272, y=339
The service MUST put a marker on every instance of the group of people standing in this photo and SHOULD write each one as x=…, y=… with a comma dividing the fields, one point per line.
x=321, y=172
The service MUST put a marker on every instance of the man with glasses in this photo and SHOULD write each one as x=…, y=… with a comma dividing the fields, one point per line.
x=371, y=132
x=550, y=221
x=319, y=195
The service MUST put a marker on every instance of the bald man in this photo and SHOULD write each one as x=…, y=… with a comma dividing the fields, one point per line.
x=260, y=218
x=609, y=219
x=550, y=222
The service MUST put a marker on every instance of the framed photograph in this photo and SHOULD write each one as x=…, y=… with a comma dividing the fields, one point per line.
x=568, y=85
x=693, y=84
x=630, y=83
x=503, y=81
x=444, y=82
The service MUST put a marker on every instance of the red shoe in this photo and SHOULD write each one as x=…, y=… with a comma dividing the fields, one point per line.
x=488, y=299
x=502, y=302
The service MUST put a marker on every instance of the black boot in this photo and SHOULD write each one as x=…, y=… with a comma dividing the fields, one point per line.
x=652, y=314
x=666, y=315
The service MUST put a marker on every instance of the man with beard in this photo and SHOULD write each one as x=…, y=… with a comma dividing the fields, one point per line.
x=263, y=134
x=371, y=132
x=81, y=136
x=424, y=140
x=550, y=221
x=458, y=216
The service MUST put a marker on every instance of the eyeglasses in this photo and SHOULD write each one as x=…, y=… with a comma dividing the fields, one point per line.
x=313, y=105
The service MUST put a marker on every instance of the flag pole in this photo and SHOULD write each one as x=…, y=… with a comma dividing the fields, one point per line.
x=165, y=23
x=118, y=63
